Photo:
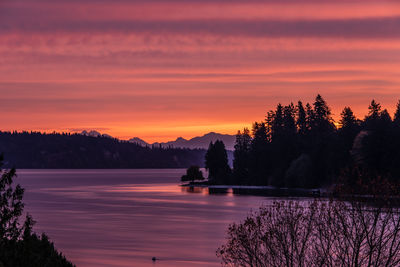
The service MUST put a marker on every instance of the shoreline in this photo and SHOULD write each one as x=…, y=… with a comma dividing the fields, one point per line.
x=260, y=190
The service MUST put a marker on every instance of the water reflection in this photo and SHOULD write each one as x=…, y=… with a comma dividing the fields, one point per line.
x=107, y=218
x=207, y=190
x=251, y=191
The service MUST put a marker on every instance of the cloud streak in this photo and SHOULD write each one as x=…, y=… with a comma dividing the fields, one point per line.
x=356, y=28
x=122, y=64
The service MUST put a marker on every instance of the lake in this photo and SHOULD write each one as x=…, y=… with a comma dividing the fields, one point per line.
x=126, y=217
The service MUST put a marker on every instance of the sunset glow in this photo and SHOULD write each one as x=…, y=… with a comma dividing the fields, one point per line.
x=163, y=69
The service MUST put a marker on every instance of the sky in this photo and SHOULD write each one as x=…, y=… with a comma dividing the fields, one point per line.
x=162, y=69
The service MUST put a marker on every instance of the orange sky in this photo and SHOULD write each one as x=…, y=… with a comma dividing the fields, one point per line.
x=161, y=69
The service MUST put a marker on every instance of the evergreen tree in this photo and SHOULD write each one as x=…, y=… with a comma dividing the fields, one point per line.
x=385, y=118
x=277, y=126
x=19, y=246
x=323, y=121
x=374, y=120
x=242, y=157
x=349, y=128
x=260, y=136
x=289, y=121
x=321, y=142
x=259, y=156
x=302, y=147
x=283, y=148
x=301, y=121
x=310, y=116
x=216, y=163
x=396, y=118
x=348, y=120
x=374, y=110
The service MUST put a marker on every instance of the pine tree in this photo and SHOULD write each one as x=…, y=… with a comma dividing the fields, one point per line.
x=348, y=120
x=277, y=127
x=242, y=157
x=289, y=121
x=301, y=121
x=310, y=116
x=216, y=163
x=373, y=119
x=259, y=154
x=323, y=121
x=396, y=118
x=374, y=110
x=349, y=128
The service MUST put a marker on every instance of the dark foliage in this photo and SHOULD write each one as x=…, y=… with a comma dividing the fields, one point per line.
x=216, y=163
x=319, y=233
x=359, y=226
x=19, y=245
x=73, y=151
x=300, y=146
x=192, y=173
x=241, y=156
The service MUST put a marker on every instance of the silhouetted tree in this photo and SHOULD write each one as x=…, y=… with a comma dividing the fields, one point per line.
x=242, y=157
x=372, y=120
x=284, y=146
x=289, y=121
x=374, y=109
x=322, y=121
x=379, y=147
x=192, y=173
x=301, y=119
x=11, y=205
x=19, y=246
x=396, y=118
x=277, y=123
x=348, y=120
x=302, y=147
x=259, y=154
x=318, y=233
x=216, y=163
x=349, y=128
x=310, y=116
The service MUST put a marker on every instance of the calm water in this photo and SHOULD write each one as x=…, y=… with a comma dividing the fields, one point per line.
x=126, y=217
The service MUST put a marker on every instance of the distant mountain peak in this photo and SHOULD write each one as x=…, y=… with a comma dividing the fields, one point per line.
x=94, y=133
x=201, y=141
x=137, y=140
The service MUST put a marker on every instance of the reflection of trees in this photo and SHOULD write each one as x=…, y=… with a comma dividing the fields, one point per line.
x=214, y=191
x=192, y=189
x=206, y=190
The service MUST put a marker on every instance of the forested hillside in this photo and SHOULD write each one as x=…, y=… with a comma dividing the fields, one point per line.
x=38, y=150
x=302, y=146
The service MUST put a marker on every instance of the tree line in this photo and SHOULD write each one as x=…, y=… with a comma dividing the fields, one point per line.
x=302, y=146
x=36, y=150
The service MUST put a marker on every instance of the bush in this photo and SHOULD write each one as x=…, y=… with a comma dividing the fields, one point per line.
x=192, y=173
x=318, y=233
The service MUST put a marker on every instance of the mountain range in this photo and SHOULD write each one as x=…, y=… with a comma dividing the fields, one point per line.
x=193, y=143
x=196, y=142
